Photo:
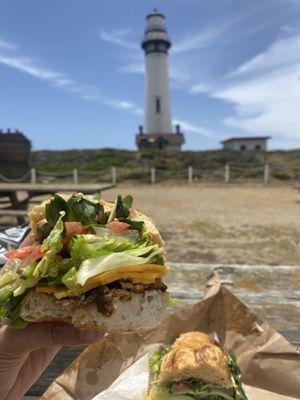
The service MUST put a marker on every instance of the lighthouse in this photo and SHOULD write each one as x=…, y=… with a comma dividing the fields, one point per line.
x=157, y=131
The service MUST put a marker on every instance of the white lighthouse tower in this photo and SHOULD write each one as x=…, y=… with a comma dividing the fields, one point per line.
x=157, y=131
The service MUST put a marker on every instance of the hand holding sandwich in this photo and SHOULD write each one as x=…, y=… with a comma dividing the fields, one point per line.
x=24, y=354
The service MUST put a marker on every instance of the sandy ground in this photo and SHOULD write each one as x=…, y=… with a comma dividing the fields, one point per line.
x=243, y=225
x=220, y=223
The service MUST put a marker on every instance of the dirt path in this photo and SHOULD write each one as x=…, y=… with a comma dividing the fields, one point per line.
x=243, y=225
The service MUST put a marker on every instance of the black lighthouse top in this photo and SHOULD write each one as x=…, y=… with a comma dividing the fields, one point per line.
x=156, y=39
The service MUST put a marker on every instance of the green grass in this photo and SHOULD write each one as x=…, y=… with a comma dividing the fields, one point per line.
x=135, y=165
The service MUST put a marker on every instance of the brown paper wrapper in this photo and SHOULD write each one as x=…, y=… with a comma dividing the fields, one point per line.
x=270, y=365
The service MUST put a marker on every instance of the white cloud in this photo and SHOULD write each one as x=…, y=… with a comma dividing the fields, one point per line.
x=197, y=41
x=187, y=126
x=7, y=45
x=133, y=68
x=28, y=66
x=283, y=52
x=269, y=104
x=124, y=105
x=200, y=88
x=61, y=80
x=119, y=38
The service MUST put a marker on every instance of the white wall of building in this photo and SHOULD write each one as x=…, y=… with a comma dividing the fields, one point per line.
x=249, y=144
x=157, y=117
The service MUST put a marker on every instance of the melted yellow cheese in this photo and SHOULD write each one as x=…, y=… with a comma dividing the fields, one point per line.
x=144, y=274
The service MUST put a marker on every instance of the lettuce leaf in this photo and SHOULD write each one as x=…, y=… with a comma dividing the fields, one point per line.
x=236, y=378
x=104, y=260
x=121, y=208
x=85, y=208
x=70, y=278
x=79, y=207
x=52, y=245
x=10, y=307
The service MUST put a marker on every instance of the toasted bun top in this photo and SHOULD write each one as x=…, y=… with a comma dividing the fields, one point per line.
x=195, y=355
x=37, y=214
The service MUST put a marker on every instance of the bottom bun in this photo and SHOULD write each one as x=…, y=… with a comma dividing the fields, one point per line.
x=142, y=311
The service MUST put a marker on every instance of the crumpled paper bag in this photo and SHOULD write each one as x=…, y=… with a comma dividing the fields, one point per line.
x=270, y=365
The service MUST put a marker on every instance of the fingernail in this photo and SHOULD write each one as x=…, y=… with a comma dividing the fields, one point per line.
x=90, y=336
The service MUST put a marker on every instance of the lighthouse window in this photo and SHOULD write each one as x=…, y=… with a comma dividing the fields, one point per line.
x=162, y=47
x=157, y=105
x=151, y=47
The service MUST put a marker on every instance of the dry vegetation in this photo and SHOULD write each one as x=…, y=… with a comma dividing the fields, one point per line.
x=243, y=225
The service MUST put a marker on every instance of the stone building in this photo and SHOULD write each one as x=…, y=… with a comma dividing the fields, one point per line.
x=14, y=154
x=250, y=143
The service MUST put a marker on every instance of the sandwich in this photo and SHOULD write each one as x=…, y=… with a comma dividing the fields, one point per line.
x=94, y=264
x=194, y=367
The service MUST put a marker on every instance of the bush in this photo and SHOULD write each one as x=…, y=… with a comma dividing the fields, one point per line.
x=283, y=176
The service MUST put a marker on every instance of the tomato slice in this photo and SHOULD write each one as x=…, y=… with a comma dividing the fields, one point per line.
x=73, y=228
x=180, y=387
x=118, y=227
x=31, y=253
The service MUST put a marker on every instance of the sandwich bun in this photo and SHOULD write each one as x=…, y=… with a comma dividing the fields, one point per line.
x=196, y=355
x=143, y=311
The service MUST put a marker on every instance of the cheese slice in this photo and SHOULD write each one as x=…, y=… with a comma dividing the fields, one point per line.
x=143, y=273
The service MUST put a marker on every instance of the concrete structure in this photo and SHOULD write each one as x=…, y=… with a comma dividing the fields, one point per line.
x=157, y=132
x=251, y=143
x=14, y=153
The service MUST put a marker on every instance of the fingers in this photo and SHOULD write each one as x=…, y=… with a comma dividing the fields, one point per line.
x=30, y=371
x=27, y=241
x=39, y=335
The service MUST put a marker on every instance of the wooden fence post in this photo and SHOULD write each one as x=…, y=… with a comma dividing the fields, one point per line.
x=266, y=174
x=114, y=175
x=75, y=176
x=190, y=174
x=152, y=175
x=32, y=175
x=227, y=173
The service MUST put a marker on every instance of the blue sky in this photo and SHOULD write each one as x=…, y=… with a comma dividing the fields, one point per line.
x=72, y=72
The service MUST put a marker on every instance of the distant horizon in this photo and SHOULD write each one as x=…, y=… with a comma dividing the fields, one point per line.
x=270, y=150
x=75, y=75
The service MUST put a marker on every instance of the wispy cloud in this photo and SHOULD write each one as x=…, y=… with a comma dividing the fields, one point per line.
x=28, y=66
x=200, y=88
x=269, y=102
x=61, y=80
x=7, y=45
x=119, y=38
x=133, y=68
x=283, y=52
x=187, y=126
x=124, y=105
x=197, y=41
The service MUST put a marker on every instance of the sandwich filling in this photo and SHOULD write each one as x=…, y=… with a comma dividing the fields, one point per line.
x=188, y=388
x=83, y=252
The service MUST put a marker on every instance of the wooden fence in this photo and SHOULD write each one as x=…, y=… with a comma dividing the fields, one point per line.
x=226, y=173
